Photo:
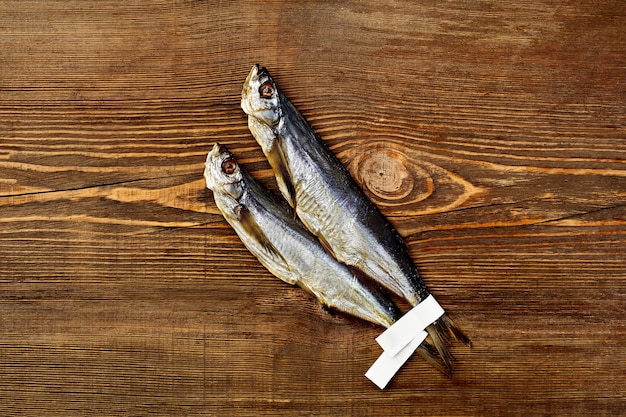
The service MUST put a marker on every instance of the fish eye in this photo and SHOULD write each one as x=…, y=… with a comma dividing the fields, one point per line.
x=266, y=90
x=229, y=166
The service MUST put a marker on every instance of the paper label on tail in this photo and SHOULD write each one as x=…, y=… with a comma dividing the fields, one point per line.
x=387, y=365
x=409, y=326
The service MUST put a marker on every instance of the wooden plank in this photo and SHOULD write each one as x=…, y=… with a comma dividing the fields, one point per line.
x=492, y=134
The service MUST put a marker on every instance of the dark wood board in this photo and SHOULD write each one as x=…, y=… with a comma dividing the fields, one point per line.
x=491, y=133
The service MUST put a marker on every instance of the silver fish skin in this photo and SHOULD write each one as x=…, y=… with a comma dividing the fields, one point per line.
x=330, y=203
x=323, y=194
x=282, y=244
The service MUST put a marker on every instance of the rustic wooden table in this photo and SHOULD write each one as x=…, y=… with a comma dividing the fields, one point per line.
x=491, y=133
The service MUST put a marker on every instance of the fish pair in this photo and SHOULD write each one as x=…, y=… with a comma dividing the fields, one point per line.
x=338, y=230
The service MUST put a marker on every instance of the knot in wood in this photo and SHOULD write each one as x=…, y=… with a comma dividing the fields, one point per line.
x=385, y=173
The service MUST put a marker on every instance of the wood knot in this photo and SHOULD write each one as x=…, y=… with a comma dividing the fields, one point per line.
x=390, y=176
x=404, y=181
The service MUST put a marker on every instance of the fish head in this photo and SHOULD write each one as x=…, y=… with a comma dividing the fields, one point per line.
x=222, y=172
x=260, y=98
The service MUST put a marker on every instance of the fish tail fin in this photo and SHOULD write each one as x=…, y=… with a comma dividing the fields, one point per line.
x=430, y=354
x=440, y=335
x=455, y=330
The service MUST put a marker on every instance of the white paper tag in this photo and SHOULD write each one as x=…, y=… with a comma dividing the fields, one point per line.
x=406, y=329
x=387, y=365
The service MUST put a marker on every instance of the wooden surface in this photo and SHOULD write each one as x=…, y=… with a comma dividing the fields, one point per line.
x=491, y=133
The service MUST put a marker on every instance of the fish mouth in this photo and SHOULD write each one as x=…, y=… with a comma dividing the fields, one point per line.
x=256, y=73
x=221, y=148
x=217, y=150
x=253, y=75
x=246, y=91
x=262, y=72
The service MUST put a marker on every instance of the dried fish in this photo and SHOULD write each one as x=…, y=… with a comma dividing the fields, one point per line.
x=331, y=204
x=283, y=245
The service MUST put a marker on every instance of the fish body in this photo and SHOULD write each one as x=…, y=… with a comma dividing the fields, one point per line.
x=329, y=202
x=284, y=246
x=324, y=195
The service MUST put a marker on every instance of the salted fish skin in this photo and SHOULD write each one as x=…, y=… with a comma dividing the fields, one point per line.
x=280, y=242
x=330, y=203
x=325, y=196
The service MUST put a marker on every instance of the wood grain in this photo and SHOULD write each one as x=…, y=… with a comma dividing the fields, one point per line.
x=492, y=134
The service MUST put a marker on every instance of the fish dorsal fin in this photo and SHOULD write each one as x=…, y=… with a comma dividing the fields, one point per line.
x=266, y=251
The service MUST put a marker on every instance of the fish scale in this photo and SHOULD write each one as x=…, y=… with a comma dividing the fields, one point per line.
x=285, y=247
x=331, y=204
x=289, y=251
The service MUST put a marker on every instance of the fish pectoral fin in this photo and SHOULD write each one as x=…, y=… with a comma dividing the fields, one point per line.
x=268, y=254
x=277, y=160
x=326, y=246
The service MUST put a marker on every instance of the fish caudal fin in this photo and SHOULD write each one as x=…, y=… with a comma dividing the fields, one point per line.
x=440, y=335
x=430, y=354
x=455, y=331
